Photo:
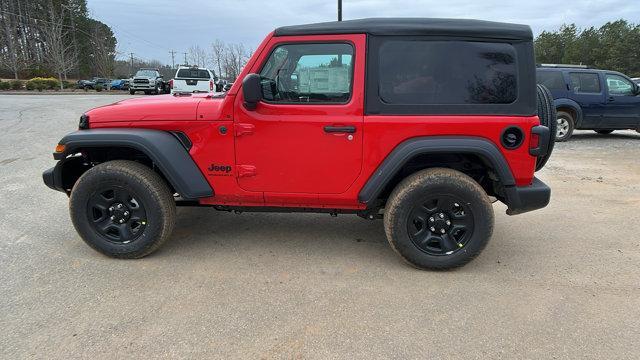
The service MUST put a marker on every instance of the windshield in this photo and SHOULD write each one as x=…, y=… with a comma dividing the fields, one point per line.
x=149, y=73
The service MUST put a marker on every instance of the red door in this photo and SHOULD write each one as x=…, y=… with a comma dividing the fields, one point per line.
x=306, y=135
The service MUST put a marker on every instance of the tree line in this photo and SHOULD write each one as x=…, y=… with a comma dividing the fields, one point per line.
x=53, y=37
x=613, y=46
x=226, y=60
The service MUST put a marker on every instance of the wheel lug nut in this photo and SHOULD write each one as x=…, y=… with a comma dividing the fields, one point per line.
x=456, y=204
x=442, y=231
x=431, y=219
x=448, y=222
x=441, y=215
x=432, y=228
x=119, y=206
x=113, y=217
x=111, y=208
x=126, y=213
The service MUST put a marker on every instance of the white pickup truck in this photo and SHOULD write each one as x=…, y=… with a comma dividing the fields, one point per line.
x=192, y=80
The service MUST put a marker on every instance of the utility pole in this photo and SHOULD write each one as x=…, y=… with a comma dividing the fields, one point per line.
x=131, y=63
x=185, y=59
x=173, y=61
x=339, y=10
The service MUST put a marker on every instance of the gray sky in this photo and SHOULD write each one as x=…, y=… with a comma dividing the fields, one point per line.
x=151, y=28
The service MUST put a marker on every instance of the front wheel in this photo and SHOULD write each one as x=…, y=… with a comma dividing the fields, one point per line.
x=122, y=209
x=565, y=127
x=132, y=92
x=438, y=219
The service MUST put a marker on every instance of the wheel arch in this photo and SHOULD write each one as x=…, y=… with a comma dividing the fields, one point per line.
x=160, y=149
x=437, y=147
x=570, y=106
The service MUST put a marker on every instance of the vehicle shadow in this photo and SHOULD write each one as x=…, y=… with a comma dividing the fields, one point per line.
x=205, y=232
x=591, y=136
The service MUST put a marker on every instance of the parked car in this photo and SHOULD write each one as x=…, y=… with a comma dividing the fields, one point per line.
x=220, y=85
x=104, y=82
x=636, y=80
x=591, y=99
x=85, y=84
x=148, y=80
x=426, y=151
x=193, y=79
x=119, y=84
x=227, y=86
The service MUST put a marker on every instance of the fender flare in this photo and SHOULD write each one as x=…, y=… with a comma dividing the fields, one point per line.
x=434, y=145
x=564, y=102
x=163, y=148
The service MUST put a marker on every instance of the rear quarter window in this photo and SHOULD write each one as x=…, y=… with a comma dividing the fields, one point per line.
x=553, y=80
x=447, y=72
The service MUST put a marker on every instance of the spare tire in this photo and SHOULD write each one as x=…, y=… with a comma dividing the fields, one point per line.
x=547, y=116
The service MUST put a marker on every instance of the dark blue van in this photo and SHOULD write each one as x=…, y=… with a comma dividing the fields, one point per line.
x=591, y=99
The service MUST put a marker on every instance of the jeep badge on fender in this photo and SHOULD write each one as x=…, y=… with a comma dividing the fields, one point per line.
x=452, y=118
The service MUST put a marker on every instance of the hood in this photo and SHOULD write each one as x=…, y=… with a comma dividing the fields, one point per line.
x=159, y=108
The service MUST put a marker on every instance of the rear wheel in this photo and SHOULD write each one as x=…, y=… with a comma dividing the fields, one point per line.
x=603, y=132
x=438, y=219
x=122, y=209
x=565, y=126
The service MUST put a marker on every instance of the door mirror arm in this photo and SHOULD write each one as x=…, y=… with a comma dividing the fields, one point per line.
x=252, y=91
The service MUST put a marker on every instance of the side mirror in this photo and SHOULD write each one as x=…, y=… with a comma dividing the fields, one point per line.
x=252, y=91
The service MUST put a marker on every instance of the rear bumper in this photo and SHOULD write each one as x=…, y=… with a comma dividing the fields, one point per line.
x=521, y=199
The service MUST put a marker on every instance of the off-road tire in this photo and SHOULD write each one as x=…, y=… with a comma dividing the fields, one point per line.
x=132, y=92
x=603, y=132
x=423, y=184
x=547, y=116
x=571, y=125
x=148, y=187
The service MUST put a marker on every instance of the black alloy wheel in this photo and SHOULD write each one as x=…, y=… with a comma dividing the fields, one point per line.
x=117, y=214
x=440, y=225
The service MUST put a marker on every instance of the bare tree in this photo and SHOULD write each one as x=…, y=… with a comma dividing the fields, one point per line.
x=59, y=52
x=235, y=57
x=11, y=54
x=104, y=51
x=197, y=56
x=217, y=54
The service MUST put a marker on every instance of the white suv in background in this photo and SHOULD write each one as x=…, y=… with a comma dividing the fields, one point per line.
x=191, y=79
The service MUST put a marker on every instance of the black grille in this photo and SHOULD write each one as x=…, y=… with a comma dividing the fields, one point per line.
x=141, y=81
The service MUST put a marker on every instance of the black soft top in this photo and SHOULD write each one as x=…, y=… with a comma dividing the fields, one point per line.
x=413, y=27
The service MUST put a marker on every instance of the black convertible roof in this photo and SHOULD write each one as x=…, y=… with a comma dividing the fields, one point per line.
x=413, y=26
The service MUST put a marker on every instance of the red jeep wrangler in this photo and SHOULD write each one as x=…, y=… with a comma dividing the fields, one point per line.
x=422, y=122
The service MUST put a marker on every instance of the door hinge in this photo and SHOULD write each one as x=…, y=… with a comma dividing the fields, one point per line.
x=246, y=170
x=244, y=129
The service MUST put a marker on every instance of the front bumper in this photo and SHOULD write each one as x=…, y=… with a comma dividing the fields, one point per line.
x=521, y=199
x=53, y=179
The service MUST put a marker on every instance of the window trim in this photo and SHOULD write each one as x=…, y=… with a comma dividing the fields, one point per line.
x=523, y=105
x=583, y=92
x=622, y=77
x=353, y=62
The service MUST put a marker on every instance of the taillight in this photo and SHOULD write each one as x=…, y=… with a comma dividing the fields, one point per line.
x=171, y=84
x=535, y=140
x=210, y=85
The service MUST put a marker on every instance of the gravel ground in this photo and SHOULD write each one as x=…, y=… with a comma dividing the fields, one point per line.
x=562, y=282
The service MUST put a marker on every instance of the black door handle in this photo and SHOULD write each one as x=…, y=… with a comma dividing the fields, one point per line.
x=611, y=98
x=339, y=129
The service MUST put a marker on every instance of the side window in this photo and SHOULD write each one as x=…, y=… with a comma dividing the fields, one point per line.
x=308, y=73
x=553, y=80
x=425, y=72
x=617, y=85
x=585, y=83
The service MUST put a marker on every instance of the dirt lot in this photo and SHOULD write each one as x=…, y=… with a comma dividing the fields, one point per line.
x=563, y=282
